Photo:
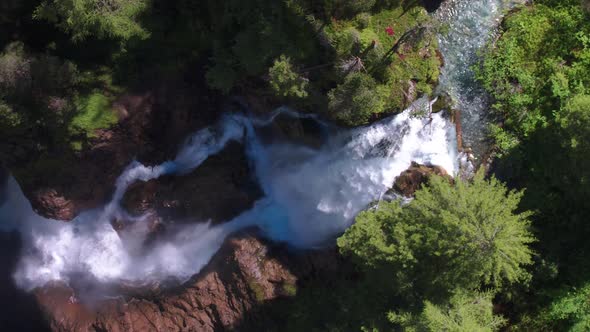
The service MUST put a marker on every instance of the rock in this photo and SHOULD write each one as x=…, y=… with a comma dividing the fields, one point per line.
x=444, y=102
x=49, y=203
x=218, y=190
x=411, y=93
x=456, y=119
x=245, y=273
x=293, y=130
x=412, y=179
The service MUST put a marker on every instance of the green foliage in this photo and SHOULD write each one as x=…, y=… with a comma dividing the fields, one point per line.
x=404, y=69
x=449, y=237
x=571, y=310
x=285, y=81
x=542, y=58
x=9, y=119
x=257, y=290
x=575, y=120
x=94, y=112
x=538, y=71
x=363, y=20
x=247, y=36
x=15, y=76
x=354, y=102
x=115, y=19
x=347, y=8
x=466, y=313
x=221, y=77
x=289, y=289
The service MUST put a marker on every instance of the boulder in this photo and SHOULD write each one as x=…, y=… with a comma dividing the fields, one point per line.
x=220, y=189
x=412, y=179
x=443, y=102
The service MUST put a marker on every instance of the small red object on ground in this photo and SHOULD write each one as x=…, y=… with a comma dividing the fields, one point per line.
x=389, y=31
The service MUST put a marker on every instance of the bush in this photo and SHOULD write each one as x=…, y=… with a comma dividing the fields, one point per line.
x=221, y=77
x=115, y=19
x=15, y=71
x=284, y=81
x=94, y=111
x=355, y=101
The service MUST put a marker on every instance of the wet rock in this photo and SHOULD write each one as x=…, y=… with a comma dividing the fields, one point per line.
x=294, y=130
x=444, y=102
x=218, y=190
x=410, y=180
x=51, y=204
x=245, y=273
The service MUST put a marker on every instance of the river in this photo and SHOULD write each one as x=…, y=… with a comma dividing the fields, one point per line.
x=311, y=195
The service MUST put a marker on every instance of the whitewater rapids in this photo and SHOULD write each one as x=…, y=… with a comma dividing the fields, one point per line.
x=310, y=197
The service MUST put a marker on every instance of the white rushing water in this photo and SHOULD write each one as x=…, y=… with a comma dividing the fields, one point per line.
x=310, y=195
x=471, y=25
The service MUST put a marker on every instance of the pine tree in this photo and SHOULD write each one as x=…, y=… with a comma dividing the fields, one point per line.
x=450, y=237
x=115, y=19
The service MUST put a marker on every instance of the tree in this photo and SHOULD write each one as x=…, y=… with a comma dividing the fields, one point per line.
x=284, y=81
x=526, y=92
x=347, y=8
x=354, y=102
x=115, y=19
x=451, y=236
x=465, y=312
x=575, y=120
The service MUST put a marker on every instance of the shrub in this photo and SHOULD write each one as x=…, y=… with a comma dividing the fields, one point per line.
x=353, y=102
x=284, y=81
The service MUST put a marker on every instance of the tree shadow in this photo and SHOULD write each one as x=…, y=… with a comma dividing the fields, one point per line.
x=331, y=294
x=19, y=310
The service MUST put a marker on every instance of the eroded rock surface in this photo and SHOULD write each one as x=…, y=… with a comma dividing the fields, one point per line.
x=245, y=273
x=218, y=190
x=415, y=176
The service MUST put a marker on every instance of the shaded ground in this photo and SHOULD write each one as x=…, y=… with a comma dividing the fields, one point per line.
x=18, y=310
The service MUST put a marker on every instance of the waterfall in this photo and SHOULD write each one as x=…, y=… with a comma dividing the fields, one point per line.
x=311, y=195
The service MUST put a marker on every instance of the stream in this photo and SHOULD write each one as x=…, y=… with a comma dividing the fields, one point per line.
x=311, y=195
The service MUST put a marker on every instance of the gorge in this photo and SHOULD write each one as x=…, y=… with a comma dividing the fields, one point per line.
x=308, y=194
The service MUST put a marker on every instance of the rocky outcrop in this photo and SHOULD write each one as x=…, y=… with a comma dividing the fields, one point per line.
x=443, y=102
x=62, y=181
x=245, y=273
x=218, y=190
x=412, y=179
